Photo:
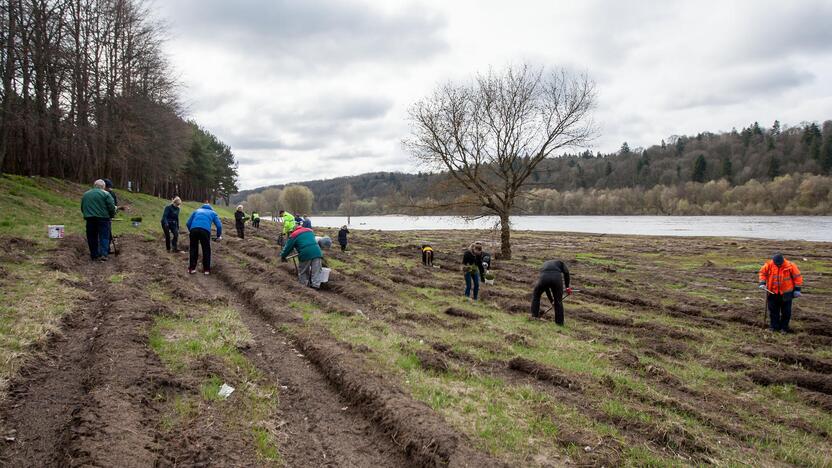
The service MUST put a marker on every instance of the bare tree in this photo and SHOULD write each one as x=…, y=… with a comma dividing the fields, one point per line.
x=490, y=134
x=297, y=199
x=272, y=200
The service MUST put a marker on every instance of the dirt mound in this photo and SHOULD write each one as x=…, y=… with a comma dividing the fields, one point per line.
x=590, y=315
x=455, y=312
x=808, y=380
x=16, y=249
x=432, y=361
x=521, y=340
x=69, y=255
x=786, y=357
x=666, y=347
x=542, y=372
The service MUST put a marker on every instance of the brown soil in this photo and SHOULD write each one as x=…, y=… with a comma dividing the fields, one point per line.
x=809, y=380
x=542, y=372
x=455, y=312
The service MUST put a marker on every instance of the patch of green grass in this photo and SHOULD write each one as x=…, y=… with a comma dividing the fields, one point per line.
x=116, y=278
x=33, y=299
x=301, y=306
x=266, y=446
x=210, y=389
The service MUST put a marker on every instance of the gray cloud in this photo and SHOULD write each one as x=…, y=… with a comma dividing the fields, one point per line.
x=728, y=88
x=310, y=34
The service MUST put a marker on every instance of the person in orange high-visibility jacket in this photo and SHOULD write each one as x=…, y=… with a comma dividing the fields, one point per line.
x=782, y=280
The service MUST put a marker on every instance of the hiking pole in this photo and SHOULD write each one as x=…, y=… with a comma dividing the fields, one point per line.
x=765, y=307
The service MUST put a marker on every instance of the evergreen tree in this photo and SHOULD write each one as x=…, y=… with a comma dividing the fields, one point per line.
x=699, y=168
x=727, y=169
x=773, y=167
x=625, y=149
x=826, y=154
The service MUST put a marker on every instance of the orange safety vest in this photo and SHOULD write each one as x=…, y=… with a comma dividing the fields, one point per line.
x=782, y=279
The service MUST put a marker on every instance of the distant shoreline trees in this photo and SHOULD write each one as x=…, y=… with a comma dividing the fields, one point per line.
x=87, y=92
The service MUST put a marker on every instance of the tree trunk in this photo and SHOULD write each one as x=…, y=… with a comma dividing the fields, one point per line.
x=505, y=237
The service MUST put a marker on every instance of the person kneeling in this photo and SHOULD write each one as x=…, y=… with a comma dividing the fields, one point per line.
x=553, y=276
x=309, y=255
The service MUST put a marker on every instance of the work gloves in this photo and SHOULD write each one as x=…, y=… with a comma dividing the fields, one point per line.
x=797, y=294
x=568, y=291
x=762, y=285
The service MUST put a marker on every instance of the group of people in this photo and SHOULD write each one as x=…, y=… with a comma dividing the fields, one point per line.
x=99, y=206
x=780, y=278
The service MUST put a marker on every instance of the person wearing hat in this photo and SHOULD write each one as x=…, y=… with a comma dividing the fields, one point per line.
x=782, y=280
x=170, y=225
x=310, y=257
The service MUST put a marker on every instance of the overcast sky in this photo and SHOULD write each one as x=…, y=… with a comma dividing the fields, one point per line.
x=310, y=89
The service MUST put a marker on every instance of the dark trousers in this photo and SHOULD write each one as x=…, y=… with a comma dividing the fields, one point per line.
x=199, y=236
x=469, y=279
x=171, y=231
x=427, y=257
x=552, y=285
x=779, y=311
x=344, y=247
x=97, y=229
x=104, y=237
x=255, y=222
x=241, y=230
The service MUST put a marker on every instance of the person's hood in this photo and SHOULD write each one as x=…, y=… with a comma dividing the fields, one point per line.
x=108, y=183
x=207, y=207
x=298, y=231
x=778, y=259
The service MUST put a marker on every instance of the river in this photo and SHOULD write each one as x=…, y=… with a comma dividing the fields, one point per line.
x=810, y=228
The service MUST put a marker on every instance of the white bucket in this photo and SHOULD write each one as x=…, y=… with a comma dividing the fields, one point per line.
x=325, y=274
x=489, y=281
x=55, y=231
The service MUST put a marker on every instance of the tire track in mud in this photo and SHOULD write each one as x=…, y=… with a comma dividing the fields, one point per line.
x=319, y=427
x=422, y=434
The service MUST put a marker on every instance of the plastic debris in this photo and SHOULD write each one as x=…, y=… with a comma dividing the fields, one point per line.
x=225, y=390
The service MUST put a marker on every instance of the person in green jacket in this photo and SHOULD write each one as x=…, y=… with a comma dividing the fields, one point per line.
x=309, y=255
x=97, y=207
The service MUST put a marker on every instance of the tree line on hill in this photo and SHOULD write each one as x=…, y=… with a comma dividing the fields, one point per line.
x=88, y=93
x=756, y=170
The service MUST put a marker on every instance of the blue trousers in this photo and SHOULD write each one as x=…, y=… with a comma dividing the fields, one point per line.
x=472, y=278
x=779, y=311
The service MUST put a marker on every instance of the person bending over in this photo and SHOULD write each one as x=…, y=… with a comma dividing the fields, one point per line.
x=553, y=277
x=199, y=229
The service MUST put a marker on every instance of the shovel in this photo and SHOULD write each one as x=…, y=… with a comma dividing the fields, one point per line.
x=765, y=308
x=294, y=258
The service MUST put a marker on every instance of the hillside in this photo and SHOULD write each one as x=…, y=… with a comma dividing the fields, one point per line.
x=752, y=171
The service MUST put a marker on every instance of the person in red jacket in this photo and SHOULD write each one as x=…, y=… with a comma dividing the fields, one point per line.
x=782, y=280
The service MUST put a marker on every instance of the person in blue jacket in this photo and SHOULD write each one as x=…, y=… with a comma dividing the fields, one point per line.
x=309, y=255
x=170, y=225
x=199, y=227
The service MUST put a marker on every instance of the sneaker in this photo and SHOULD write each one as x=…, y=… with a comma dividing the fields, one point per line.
x=191, y=271
x=207, y=273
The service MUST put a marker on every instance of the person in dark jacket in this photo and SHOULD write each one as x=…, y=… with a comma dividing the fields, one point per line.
x=473, y=268
x=310, y=256
x=240, y=222
x=307, y=223
x=199, y=228
x=342, y=237
x=98, y=208
x=108, y=186
x=553, y=277
x=170, y=225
